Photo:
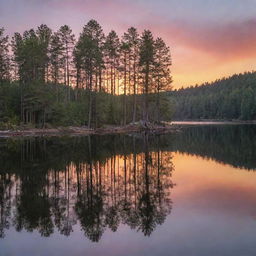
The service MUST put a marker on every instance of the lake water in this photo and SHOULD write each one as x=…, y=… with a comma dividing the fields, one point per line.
x=191, y=193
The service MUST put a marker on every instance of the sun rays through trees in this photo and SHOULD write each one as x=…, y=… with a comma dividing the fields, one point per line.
x=94, y=80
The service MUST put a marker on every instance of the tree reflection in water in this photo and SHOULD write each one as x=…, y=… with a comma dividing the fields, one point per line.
x=96, y=182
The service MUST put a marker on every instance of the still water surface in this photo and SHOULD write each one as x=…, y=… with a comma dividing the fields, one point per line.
x=190, y=193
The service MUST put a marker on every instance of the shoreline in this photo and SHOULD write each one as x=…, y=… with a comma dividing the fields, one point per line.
x=167, y=127
x=84, y=131
x=213, y=122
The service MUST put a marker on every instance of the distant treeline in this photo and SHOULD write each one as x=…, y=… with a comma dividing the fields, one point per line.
x=228, y=98
x=52, y=78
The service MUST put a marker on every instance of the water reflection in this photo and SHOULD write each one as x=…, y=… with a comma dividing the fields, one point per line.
x=228, y=144
x=99, y=183
x=96, y=182
x=74, y=190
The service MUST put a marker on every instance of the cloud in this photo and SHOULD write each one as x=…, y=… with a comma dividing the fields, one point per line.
x=232, y=40
x=228, y=42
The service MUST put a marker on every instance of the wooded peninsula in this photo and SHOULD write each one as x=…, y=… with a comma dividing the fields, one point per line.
x=50, y=79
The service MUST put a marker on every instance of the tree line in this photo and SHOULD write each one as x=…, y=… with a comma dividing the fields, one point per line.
x=50, y=77
x=228, y=98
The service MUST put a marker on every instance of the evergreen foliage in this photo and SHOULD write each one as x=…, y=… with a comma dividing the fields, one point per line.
x=227, y=99
x=55, y=80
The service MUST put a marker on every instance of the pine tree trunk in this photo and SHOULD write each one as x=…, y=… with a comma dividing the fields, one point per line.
x=90, y=102
x=100, y=79
x=21, y=103
x=134, y=93
x=146, y=117
x=67, y=67
x=125, y=81
x=111, y=80
x=158, y=106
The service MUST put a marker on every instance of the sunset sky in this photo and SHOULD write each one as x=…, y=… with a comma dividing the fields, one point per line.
x=209, y=39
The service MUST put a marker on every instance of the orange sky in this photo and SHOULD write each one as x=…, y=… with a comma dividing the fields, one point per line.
x=209, y=39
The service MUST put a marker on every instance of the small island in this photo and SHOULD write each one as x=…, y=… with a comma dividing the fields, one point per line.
x=99, y=83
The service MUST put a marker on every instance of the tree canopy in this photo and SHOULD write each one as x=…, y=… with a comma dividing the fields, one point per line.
x=228, y=98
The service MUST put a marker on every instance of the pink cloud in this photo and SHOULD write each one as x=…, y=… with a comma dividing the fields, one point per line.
x=228, y=42
x=205, y=50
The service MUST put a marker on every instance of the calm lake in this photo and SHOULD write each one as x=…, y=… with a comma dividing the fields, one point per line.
x=191, y=193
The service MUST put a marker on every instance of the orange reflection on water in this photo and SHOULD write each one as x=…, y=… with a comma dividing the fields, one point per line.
x=204, y=185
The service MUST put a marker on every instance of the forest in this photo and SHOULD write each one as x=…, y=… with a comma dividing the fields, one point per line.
x=51, y=78
x=225, y=99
